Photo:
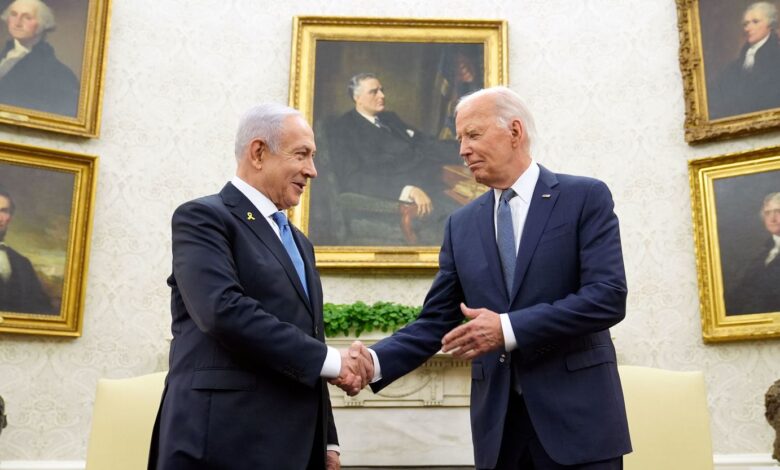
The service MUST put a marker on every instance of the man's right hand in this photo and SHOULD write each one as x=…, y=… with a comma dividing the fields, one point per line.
x=424, y=204
x=357, y=369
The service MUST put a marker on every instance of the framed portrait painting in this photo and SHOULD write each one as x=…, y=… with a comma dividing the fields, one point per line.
x=380, y=94
x=46, y=203
x=730, y=63
x=736, y=219
x=52, y=64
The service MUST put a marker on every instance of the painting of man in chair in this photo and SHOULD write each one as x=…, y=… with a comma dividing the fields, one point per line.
x=389, y=164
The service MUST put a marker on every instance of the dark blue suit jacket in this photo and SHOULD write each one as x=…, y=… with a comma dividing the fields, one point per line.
x=569, y=289
x=244, y=388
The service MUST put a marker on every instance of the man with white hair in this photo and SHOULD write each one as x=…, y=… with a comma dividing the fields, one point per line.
x=31, y=76
x=757, y=290
x=536, y=265
x=750, y=83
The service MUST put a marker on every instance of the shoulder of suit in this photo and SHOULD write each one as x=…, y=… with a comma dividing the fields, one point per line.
x=212, y=201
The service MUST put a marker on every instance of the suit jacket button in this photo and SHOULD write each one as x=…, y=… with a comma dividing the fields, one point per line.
x=502, y=358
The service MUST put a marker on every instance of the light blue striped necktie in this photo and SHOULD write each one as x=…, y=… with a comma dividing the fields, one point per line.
x=291, y=247
x=505, y=237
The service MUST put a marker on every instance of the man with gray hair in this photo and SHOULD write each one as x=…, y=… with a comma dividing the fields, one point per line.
x=536, y=265
x=375, y=153
x=750, y=83
x=31, y=76
x=246, y=386
x=757, y=290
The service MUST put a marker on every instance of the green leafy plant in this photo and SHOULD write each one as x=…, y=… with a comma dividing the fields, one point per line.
x=359, y=317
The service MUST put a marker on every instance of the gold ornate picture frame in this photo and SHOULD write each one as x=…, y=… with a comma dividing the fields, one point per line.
x=727, y=94
x=46, y=204
x=58, y=85
x=358, y=212
x=736, y=220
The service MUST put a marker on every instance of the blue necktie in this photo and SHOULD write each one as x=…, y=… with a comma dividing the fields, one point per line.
x=505, y=237
x=291, y=247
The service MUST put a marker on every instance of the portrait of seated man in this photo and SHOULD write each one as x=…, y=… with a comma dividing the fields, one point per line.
x=374, y=153
x=750, y=82
x=31, y=76
x=20, y=289
x=757, y=289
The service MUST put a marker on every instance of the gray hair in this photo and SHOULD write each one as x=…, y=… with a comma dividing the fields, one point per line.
x=45, y=16
x=354, y=83
x=509, y=106
x=264, y=121
x=768, y=9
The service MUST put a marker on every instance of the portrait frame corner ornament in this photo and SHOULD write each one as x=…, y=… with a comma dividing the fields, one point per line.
x=718, y=184
x=308, y=33
x=77, y=173
x=85, y=120
x=709, y=111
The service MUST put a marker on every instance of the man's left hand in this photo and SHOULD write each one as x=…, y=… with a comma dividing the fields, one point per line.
x=333, y=462
x=480, y=335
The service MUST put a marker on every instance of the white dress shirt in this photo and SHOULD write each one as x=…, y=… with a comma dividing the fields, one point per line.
x=5, y=265
x=750, y=55
x=524, y=187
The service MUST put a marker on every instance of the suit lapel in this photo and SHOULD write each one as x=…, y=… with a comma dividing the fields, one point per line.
x=487, y=233
x=251, y=218
x=541, y=206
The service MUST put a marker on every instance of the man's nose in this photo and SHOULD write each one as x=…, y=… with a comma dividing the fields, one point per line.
x=310, y=170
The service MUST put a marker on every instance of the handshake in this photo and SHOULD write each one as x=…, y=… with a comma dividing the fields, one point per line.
x=357, y=369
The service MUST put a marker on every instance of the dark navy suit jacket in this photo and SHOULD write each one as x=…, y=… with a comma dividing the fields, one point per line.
x=244, y=388
x=569, y=289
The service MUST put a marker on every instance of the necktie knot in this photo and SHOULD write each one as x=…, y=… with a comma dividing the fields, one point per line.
x=280, y=219
x=507, y=195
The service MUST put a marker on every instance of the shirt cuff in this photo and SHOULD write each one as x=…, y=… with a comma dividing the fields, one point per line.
x=510, y=342
x=405, y=194
x=333, y=447
x=331, y=368
x=377, y=368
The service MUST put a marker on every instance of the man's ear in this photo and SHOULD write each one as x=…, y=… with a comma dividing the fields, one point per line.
x=258, y=150
x=518, y=130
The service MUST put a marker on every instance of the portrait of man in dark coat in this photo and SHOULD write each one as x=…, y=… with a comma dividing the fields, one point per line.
x=31, y=75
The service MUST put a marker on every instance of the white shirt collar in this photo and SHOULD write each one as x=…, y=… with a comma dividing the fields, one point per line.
x=258, y=199
x=758, y=45
x=525, y=184
x=776, y=238
x=370, y=119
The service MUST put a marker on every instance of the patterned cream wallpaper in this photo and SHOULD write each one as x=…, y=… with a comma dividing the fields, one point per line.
x=602, y=78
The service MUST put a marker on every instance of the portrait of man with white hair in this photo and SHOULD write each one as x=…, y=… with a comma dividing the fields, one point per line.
x=31, y=75
x=749, y=82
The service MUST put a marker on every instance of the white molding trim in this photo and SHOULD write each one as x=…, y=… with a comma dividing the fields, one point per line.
x=745, y=462
x=42, y=465
x=722, y=462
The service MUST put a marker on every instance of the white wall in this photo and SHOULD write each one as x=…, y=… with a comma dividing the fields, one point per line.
x=602, y=78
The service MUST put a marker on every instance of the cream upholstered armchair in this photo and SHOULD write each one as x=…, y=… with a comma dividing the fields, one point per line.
x=122, y=422
x=668, y=419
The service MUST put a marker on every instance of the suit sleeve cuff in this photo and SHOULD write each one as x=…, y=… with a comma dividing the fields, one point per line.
x=377, y=369
x=331, y=368
x=510, y=342
x=405, y=194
